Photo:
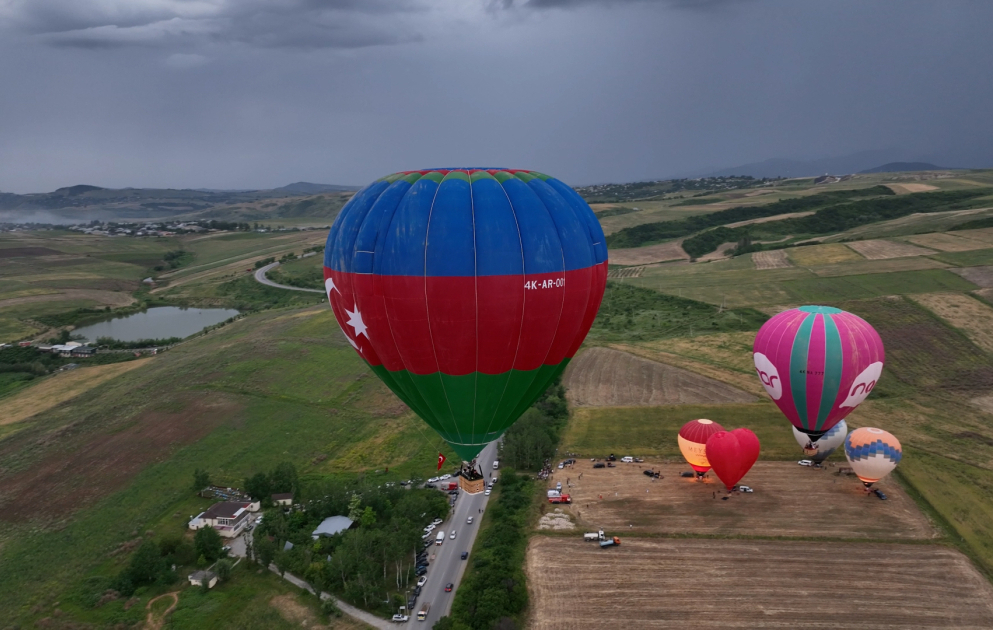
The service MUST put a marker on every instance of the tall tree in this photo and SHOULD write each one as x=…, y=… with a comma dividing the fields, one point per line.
x=207, y=543
x=201, y=479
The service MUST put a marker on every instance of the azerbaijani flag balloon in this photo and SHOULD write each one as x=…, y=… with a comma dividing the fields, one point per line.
x=467, y=291
x=818, y=364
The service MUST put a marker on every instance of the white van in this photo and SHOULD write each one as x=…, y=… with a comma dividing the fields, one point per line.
x=440, y=538
x=627, y=460
x=496, y=464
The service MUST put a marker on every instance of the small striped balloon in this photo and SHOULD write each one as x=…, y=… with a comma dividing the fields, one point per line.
x=818, y=364
x=872, y=453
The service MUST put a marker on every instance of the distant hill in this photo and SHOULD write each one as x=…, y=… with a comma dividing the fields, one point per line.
x=307, y=188
x=903, y=167
x=844, y=165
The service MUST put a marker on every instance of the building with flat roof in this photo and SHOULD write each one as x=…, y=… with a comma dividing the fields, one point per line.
x=229, y=518
x=331, y=525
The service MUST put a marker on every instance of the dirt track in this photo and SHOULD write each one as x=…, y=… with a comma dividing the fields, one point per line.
x=603, y=377
x=693, y=583
x=789, y=500
x=151, y=623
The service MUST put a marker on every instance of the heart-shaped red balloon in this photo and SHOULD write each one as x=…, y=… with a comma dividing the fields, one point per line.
x=732, y=454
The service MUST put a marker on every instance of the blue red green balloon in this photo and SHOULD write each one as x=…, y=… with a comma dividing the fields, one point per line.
x=467, y=291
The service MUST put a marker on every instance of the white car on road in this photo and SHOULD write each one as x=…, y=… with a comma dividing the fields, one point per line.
x=422, y=581
x=453, y=535
x=805, y=462
x=444, y=477
x=433, y=480
x=487, y=493
x=468, y=521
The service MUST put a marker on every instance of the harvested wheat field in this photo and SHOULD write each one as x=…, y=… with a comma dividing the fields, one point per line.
x=789, y=500
x=775, y=259
x=827, y=254
x=979, y=276
x=59, y=388
x=603, y=377
x=626, y=272
x=903, y=189
x=972, y=317
x=947, y=242
x=879, y=249
x=662, y=252
x=689, y=584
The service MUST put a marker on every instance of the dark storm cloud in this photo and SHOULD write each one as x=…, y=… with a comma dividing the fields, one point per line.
x=306, y=24
x=259, y=93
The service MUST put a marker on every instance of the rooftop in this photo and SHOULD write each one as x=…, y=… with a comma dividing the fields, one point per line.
x=332, y=525
x=280, y=496
x=226, y=509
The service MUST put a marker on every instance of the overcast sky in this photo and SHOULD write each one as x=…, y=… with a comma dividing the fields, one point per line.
x=261, y=93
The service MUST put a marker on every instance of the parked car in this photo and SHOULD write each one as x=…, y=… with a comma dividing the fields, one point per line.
x=638, y=460
x=599, y=465
x=444, y=477
x=611, y=465
x=627, y=460
x=453, y=492
x=421, y=571
x=417, y=591
x=487, y=493
x=449, y=587
x=226, y=549
x=744, y=489
x=468, y=521
x=558, y=486
x=437, y=522
x=611, y=458
x=400, y=618
x=686, y=474
x=433, y=479
x=561, y=465
x=879, y=493
x=805, y=462
x=430, y=527
x=430, y=485
x=465, y=554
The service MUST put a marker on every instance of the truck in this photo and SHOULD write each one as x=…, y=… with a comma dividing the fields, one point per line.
x=440, y=538
x=553, y=493
x=562, y=498
x=591, y=536
x=610, y=542
x=422, y=614
x=496, y=464
x=451, y=485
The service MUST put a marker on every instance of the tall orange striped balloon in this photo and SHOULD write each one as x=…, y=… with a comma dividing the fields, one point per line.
x=693, y=443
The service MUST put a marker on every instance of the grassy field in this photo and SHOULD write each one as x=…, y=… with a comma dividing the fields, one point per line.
x=119, y=458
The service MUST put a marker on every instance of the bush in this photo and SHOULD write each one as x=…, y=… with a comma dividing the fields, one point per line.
x=207, y=543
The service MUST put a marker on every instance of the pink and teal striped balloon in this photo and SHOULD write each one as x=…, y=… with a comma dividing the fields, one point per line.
x=818, y=364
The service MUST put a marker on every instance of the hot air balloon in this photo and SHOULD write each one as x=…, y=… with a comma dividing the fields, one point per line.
x=732, y=454
x=467, y=291
x=693, y=443
x=872, y=453
x=818, y=364
x=821, y=449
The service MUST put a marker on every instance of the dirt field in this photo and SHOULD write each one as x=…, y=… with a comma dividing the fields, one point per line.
x=979, y=276
x=903, y=189
x=109, y=298
x=646, y=255
x=880, y=249
x=969, y=315
x=775, y=259
x=718, y=584
x=810, y=255
x=789, y=500
x=65, y=481
x=58, y=388
x=946, y=242
x=603, y=377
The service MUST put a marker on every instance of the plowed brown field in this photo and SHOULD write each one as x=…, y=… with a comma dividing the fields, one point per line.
x=979, y=276
x=603, y=377
x=789, y=500
x=662, y=252
x=718, y=584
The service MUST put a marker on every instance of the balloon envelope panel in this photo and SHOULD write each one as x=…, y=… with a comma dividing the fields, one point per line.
x=817, y=363
x=692, y=441
x=872, y=453
x=827, y=444
x=467, y=291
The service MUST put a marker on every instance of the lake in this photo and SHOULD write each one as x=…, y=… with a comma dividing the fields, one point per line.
x=160, y=322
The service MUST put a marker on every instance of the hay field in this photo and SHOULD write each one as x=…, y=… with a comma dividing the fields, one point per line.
x=969, y=315
x=811, y=255
x=903, y=189
x=603, y=377
x=646, y=255
x=945, y=242
x=780, y=506
x=59, y=388
x=859, y=267
x=719, y=584
x=775, y=259
x=880, y=249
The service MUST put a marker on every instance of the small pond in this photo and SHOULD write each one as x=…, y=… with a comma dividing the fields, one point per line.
x=160, y=322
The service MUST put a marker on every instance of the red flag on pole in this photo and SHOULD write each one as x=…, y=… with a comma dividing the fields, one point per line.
x=441, y=460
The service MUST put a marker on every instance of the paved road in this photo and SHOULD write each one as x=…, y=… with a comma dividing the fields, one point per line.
x=260, y=276
x=448, y=565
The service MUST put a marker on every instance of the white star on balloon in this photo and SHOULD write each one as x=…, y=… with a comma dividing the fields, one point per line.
x=355, y=321
x=329, y=287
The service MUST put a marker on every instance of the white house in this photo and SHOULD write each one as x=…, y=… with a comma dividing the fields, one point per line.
x=229, y=518
x=283, y=498
x=197, y=578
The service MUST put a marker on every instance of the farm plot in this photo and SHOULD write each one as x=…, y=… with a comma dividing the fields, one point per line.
x=810, y=255
x=880, y=249
x=967, y=314
x=646, y=255
x=946, y=242
x=979, y=276
x=775, y=259
x=603, y=377
x=718, y=584
x=626, y=272
x=859, y=267
x=833, y=290
x=780, y=505
x=903, y=189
